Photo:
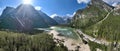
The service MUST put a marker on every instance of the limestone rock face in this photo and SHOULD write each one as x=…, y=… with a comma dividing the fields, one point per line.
x=24, y=18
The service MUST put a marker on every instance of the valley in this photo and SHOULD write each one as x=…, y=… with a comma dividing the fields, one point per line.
x=28, y=27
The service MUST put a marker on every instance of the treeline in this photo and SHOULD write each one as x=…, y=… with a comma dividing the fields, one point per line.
x=10, y=41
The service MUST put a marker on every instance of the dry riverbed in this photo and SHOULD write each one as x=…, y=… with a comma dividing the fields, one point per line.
x=71, y=44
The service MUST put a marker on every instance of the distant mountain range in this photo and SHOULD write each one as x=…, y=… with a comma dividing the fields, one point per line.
x=24, y=18
x=62, y=19
x=59, y=20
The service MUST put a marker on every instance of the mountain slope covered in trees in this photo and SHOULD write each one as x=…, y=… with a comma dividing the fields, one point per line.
x=10, y=41
x=101, y=21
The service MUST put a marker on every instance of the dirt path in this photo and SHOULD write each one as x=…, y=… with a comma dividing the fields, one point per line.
x=105, y=17
x=104, y=42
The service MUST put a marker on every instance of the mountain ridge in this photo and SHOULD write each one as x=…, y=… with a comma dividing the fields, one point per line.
x=93, y=13
x=24, y=18
x=90, y=22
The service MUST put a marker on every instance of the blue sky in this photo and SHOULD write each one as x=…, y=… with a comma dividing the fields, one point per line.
x=60, y=7
x=52, y=7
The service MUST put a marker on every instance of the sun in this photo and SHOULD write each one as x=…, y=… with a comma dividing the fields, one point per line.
x=27, y=1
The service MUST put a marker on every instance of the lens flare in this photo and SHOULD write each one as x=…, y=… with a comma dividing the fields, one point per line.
x=27, y=1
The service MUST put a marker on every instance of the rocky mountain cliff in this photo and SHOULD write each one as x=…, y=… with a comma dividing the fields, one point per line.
x=117, y=9
x=59, y=20
x=101, y=5
x=50, y=21
x=24, y=18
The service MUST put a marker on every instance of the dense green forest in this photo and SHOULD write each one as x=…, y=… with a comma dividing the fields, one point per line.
x=94, y=46
x=108, y=29
x=10, y=41
x=111, y=47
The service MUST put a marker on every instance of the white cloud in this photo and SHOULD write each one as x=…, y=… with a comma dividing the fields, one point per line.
x=71, y=15
x=107, y=1
x=74, y=13
x=53, y=15
x=1, y=11
x=112, y=2
x=83, y=1
x=38, y=7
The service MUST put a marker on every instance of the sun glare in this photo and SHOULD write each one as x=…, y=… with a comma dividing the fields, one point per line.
x=38, y=8
x=27, y=1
